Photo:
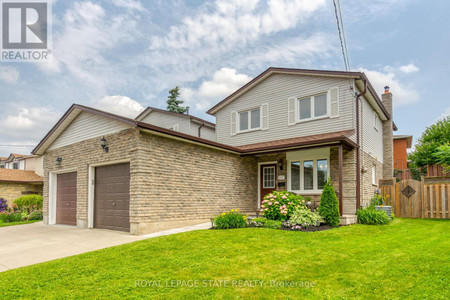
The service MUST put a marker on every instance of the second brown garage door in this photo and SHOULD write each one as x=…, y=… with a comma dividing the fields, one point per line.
x=112, y=197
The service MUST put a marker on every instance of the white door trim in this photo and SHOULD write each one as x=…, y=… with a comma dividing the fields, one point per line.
x=52, y=192
x=259, y=178
x=91, y=186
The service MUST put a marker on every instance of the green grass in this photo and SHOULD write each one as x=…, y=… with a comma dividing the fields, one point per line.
x=2, y=224
x=406, y=259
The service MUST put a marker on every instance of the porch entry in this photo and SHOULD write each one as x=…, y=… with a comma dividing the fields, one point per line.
x=267, y=180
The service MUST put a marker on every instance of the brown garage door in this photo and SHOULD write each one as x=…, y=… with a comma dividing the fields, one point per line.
x=66, y=199
x=112, y=197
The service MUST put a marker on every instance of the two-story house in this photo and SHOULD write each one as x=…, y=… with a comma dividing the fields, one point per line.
x=287, y=129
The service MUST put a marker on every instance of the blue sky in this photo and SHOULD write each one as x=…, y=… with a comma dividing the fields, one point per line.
x=123, y=55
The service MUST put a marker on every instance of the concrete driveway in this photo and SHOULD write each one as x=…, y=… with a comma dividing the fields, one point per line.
x=29, y=244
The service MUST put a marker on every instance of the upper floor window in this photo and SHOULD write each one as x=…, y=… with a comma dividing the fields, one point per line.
x=249, y=119
x=376, y=121
x=175, y=127
x=323, y=105
x=313, y=107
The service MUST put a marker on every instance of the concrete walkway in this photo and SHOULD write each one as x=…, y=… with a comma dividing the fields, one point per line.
x=29, y=244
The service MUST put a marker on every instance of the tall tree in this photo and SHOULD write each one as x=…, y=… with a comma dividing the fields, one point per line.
x=432, y=146
x=173, y=101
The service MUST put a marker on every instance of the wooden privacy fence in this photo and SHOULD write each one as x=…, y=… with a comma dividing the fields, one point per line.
x=416, y=199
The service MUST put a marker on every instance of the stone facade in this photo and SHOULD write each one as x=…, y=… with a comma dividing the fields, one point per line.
x=349, y=180
x=10, y=190
x=172, y=183
x=368, y=189
x=388, y=142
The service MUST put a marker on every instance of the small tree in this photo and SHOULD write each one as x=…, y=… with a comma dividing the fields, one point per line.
x=173, y=103
x=430, y=148
x=329, y=206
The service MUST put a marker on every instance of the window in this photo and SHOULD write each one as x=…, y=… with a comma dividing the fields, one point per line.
x=322, y=173
x=268, y=177
x=308, y=175
x=313, y=107
x=376, y=122
x=374, y=174
x=175, y=127
x=250, y=119
x=15, y=165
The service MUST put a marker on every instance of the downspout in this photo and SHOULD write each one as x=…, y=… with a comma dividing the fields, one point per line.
x=200, y=128
x=358, y=159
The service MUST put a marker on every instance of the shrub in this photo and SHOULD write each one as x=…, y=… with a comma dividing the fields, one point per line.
x=36, y=215
x=280, y=205
x=29, y=202
x=303, y=218
x=231, y=219
x=329, y=206
x=257, y=222
x=10, y=216
x=371, y=216
x=272, y=224
x=3, y=204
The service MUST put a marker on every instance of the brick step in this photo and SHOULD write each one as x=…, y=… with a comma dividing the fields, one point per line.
x=348, y=220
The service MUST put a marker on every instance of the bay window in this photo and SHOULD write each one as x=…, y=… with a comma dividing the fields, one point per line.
x=308, y=170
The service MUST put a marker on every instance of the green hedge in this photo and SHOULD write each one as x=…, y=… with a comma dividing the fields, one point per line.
x=371, y=216
x=329, y=206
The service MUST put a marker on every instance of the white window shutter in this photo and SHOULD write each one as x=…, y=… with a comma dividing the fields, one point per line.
x=334, y=102
x=291, y=110
x=265, y=116
x=233, y=125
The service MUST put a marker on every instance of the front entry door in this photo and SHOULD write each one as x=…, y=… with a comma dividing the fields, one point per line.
x=267, y=180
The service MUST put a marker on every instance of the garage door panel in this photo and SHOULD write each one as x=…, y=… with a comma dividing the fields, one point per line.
x=66, y=199
x=112, y=197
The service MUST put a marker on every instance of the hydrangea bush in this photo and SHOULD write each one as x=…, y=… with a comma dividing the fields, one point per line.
x=280, y=206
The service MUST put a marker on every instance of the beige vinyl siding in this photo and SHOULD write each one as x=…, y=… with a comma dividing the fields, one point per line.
x=371, y=139
x=275, y=91
x=206, y=131
x=86, y=126
x=168, y=121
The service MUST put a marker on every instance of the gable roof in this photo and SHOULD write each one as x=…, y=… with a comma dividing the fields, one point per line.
x=149, y=109
x=22, y=176
x=13, y=156
x=68, y=117
x=360, y=77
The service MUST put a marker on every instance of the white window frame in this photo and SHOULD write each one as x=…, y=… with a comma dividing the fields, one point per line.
x=274, y=178
x=248, y=111
x=313, y=117
x=376, y=122
x=307, y=155
x=374, y=174
x=175, y=127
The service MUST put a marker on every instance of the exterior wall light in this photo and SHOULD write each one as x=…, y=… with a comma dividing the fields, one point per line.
x=280, y=164
x=58, y=161
x=103, y=144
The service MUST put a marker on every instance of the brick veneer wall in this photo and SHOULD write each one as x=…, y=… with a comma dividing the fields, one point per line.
x=10, y=191
x=349, y=180
x=367, y=188
x=172, y=183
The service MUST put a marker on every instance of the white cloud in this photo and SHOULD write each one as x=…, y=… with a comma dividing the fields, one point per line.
x=120, y=105
x=411, y=68
x=129, y=4
x=235, y=21
x=403, y=92
x=224, y=82
x=9, y=74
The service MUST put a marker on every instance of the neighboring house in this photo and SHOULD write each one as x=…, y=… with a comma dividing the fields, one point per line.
x=16, y=183
x=184, y=123
x=20, y=174
x=401, y=144
x=23, y=162
x=287, y=129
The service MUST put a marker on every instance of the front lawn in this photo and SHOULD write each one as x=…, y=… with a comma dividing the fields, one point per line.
x=4, y=224
x=406, y=259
